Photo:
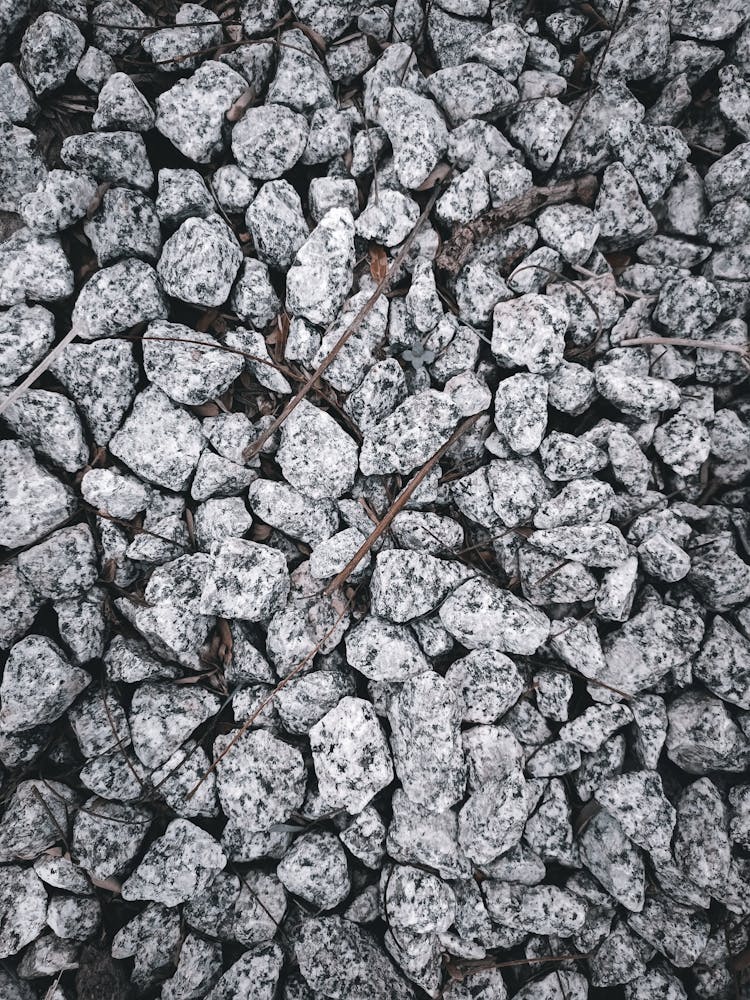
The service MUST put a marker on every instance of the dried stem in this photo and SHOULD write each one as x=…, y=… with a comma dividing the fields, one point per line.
x=461, y=243
x=267, y=700
x=40, y=369
x=355, y=324
x=398, y=506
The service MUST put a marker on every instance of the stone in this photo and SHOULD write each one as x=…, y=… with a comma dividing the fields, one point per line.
x=50, y=50
x=255, y=975
x=188, y=374
x=162, y=717
x=122, y=106
x=107, y=836
x=159, y=441
x=410, y=435
x=195, y=29
x=117, y=157
x=416, y=131
x=258, y=762
x=337, y=956
x=614, y=861
x=321, y=273
x=675, y=931
x=38, y=684
x=182, y=265
x=529, y=332
x=425, y=739
x=624, y=220
x=26, y=333
x=539, y=128
x=268, y=140
x=315, y=869
x=63, y=565
x=277, y=224
x=102, y=378
x=316, y=455
x=192, y=113
x=692, y=717
x=246, y=581
x=301, y=81
x=94, y=68
x=32, y=501
x=33, y=267
x=17, y=103
x=60, y=201
x=637, y=801
x=479, y=614
x=723, y=661
x=488, y=683
x=471, y=90
x=387, y=219
x=23, y=904
x=118, y=298
x=125, y=225
x=49, y=423
x=350, y=754
x=177, y=867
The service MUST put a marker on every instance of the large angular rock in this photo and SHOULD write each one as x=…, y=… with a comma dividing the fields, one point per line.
x=321, y=275
x=351, y=756
x=192, y=113
x=32, y=501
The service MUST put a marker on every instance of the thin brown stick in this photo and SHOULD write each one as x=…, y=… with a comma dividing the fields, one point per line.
x=269, y=698
x=218, y=346
x=466, y=967
x=463, y=239
x=40, y=369
x=398, y=506
x=709, y=345
x=351, y=329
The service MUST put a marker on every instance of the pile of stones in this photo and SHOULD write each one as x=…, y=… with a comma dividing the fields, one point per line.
x=374, y=532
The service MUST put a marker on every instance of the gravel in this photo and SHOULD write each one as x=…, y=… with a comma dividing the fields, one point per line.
x=374, y=477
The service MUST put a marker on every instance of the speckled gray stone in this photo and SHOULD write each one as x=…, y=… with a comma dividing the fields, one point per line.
x=50, y=49
x=480, y=614
x=33, y=267
x=246, y=581
x=49, y=423
x=315, y=869
x=177, y=866
x=102, y=378
x=32, y=501
x=117, y=157
x=258, y=762
x=426, y=742
x=172, y=48
x=316, y=454
x=60, y=201
x=124, y=225
x=26, y=333
x=277, y=224
x=338, y=956
x=192, y=113
x=321, y=273
x=159, y=441
x=118, y=298
x=268, y=140
x=417, y=133
x=183, y=268
x=351, y=756
x=23, y=906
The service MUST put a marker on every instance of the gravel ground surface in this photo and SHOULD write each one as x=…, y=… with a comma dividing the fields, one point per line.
x=374, y=532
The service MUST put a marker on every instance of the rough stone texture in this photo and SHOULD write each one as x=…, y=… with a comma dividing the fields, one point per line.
x=298, y=251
